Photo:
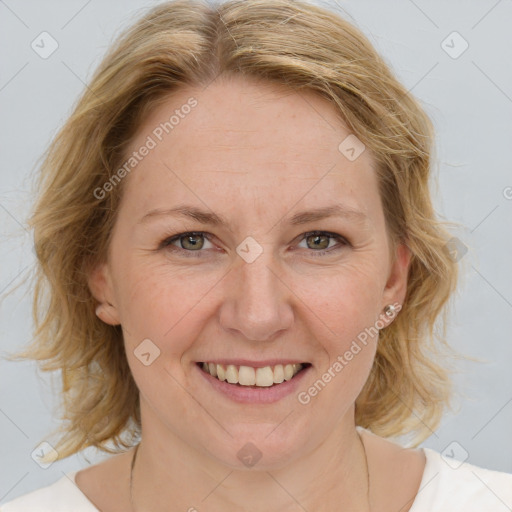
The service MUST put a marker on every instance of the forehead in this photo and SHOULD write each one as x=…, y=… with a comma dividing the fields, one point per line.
x=245, y=142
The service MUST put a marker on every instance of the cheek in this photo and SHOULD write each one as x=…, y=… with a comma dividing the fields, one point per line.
x=163, y=309
x=158, y=302
x=346, y=299
x=345, y=307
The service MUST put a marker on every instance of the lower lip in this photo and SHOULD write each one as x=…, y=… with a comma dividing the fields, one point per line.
x=263, y=395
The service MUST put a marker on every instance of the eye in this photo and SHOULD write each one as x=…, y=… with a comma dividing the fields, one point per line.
x=193, y=241
x=320, y=241
x=190, y=242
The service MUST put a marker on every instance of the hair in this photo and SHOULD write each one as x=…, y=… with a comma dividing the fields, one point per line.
x=191, y=43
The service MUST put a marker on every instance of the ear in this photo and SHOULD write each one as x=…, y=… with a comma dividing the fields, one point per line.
x=100, y=285
x=396, y=285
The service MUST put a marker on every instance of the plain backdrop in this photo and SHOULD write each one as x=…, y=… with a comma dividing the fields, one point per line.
x=463, y=80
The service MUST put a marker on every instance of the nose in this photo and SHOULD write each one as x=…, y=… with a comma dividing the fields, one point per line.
x=257, y=303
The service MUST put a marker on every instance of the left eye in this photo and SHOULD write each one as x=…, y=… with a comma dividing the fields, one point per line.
x=194, y=241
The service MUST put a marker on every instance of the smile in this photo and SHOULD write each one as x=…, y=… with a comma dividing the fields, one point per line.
x=249, y=376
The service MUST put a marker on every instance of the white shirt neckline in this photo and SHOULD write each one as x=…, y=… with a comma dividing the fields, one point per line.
x=446, y=485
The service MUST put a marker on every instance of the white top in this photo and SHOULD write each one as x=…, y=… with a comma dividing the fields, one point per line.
x=445, y=487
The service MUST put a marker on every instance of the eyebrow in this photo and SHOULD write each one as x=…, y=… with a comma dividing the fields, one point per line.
x=213, y=219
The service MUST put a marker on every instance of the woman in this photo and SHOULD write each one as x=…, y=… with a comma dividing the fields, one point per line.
x=244, y=269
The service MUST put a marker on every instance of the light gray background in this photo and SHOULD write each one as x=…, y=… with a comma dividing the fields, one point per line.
x=470, y=101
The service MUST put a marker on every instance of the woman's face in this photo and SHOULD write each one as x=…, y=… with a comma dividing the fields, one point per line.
x=255, y=288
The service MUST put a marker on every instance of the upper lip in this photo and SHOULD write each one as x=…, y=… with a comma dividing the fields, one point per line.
x=255, y=364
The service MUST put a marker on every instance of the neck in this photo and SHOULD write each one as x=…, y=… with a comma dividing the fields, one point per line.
x=316, y=478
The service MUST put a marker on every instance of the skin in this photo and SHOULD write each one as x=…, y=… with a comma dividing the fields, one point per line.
x=256, y=154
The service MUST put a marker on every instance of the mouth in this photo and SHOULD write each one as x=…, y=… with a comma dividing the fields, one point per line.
x=253, y=377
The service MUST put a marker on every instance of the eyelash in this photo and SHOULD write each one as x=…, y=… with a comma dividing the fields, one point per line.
x=166, y=243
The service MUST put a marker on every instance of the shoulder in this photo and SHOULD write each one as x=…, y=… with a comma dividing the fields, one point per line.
x=433, y=483
x=448, y=484
x=94, y=488
x=61, y=496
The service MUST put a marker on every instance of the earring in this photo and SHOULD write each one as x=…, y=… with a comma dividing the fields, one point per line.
x=390, y=310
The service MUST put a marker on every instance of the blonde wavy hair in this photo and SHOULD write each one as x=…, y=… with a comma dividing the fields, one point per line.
x=188, y=42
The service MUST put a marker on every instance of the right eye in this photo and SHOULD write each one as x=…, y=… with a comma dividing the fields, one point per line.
x=190, y=242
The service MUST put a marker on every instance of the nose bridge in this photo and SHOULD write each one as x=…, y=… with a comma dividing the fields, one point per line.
x=258, y=277
x=259, y=300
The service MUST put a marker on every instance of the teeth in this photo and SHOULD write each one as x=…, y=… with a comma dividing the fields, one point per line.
x=278, y=373
x=264, y=376
x=221, y=373
x=231, y=374
x=249, y=376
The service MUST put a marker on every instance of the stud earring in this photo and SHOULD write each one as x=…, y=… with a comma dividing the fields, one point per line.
x=390, y=310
